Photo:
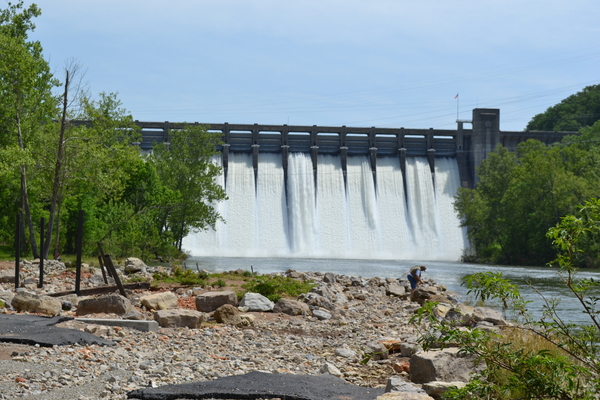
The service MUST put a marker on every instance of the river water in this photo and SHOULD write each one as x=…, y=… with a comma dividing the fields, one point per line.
x=543, y=279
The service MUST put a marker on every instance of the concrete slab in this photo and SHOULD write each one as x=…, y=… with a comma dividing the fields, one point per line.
x=140, y=325
x=34, y=329
x=255, y=385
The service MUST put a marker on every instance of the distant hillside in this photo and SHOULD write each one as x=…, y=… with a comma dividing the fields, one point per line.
x=573, y=113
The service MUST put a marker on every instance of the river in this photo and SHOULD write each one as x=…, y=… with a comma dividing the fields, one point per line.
x=543, y=279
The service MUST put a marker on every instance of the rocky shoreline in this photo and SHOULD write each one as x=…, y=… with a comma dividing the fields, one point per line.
x=355, y=328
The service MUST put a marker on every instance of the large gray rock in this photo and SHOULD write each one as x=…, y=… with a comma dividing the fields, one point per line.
x=321, y=315
x=210, y=301
x=7, y=296
x=437, y=389
x=256, y=302
x=425, y=293
x=228, y=314
x=24, y=301
x=442, y=365
x=133, y=265
x=7, y=276
x=110, y=304
x=159, y=301
x=291, y=307
x=397, y=384
x=488, y=315
x=395, y=289
x=179, y=318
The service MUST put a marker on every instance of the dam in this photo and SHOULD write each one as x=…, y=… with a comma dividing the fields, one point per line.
x=345, y=192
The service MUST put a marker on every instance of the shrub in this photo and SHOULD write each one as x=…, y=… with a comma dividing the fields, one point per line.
x=537, y=359
x=276, y=287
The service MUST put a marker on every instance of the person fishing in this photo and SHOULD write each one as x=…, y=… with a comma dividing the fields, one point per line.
x=414, y=276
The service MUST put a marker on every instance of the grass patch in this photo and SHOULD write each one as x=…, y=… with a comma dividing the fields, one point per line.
x=219, y=283
x=180, y=276
x=276, y=287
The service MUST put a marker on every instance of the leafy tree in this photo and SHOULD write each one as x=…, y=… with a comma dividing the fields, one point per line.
x=186, y=169
x=521, y=195
x=26, y=99
x=573, y=113
x=547, y=358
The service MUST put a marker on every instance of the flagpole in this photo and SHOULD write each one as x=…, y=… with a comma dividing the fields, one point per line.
x=457, y=106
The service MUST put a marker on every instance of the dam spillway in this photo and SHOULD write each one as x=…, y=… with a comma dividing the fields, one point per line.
x=336, y=212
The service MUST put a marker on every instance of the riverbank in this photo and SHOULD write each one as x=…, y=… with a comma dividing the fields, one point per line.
x=346, y=341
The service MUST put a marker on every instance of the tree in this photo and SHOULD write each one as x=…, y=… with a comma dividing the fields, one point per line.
x=185, y=167
x=573, y=113
x=25, y=95
x=547, y=358
x=521, y=195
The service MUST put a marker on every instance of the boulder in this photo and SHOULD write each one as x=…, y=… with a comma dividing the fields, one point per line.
x=442, y=365
x=330, y=369
x=133, y=265
x=247, y=319
x=210, y=301
x=377, y=350
x=395, y=289
x=25, y=301
x=256, y=302
x=6, y=296
x=407, y=349
x=159, y=301
x=437, y=389
x=321, y=315
x=228, y=314
x=345, y=352
x=111, y=303
x=7, y=276
x=397, y=384
x=179, y=318
x=291, y=307
x=427, y=293
x=488, y=315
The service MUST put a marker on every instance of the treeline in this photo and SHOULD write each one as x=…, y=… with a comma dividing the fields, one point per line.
x=136, y=204
x=521, y=195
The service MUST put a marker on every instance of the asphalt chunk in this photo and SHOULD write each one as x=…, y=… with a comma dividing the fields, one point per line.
x=35, y=329
x=258, y=385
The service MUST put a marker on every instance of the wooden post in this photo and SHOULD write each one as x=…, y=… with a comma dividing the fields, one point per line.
x=78, y=248
x=17, y=250
x=41, y=280
x=101, y=262
x=111, y=269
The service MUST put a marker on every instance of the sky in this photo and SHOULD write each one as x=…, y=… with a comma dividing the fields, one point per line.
x=383, y=63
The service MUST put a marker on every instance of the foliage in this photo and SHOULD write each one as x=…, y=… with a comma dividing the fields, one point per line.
x=521, y=195
x=547, y=358
x=573, y=113
x=185, y=277
x=26, y=103
x=187, y=171
x=276, y=287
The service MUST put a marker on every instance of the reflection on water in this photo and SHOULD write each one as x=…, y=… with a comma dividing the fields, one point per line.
x=450, y=274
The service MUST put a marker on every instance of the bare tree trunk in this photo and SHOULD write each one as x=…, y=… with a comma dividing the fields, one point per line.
x=57, y=169
x=25, y=195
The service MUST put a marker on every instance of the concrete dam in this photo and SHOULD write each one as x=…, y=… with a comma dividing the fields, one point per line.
x=345, y=192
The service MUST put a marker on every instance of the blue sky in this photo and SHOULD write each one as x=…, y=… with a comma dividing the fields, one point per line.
x=385, y=63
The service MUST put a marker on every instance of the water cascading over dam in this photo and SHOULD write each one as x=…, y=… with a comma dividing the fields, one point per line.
x=363, y=217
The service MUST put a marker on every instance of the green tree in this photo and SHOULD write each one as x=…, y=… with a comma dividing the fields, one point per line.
x=186, y=168
x=521, y=195
x=26, y=99
x=573, y=113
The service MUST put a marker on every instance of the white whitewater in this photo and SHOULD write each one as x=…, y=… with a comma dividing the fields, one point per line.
x=372, y=220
